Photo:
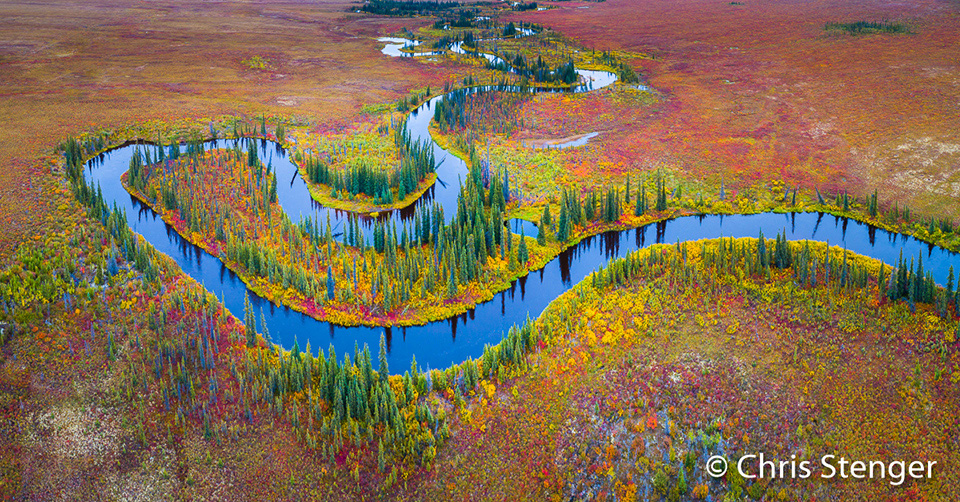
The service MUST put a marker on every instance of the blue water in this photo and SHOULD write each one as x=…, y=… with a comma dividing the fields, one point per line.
x=441, y=343
x=583, y=140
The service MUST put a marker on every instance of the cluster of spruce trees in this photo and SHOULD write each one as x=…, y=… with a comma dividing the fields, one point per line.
x=131, y=246
x=603, y=207
x=907, y=282
x=606, y=207
x=453, y=111
x=624, y=71
x=416, y=161
x=537, y=70
x=190, y=201
x=329, y=403
x=345, y=401
x=893, y=214
x=521, y=6
x=348, y=402
x=406, y=8
x=419, y=258
x=483, y=109
x=399, y=263
x=426, y=255
x=913, y=284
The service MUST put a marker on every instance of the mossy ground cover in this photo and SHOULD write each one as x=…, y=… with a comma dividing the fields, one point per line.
x=637, y=384
x=836, y=111
x=631, y=377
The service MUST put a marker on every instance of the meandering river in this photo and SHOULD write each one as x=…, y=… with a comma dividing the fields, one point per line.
x=441, y=343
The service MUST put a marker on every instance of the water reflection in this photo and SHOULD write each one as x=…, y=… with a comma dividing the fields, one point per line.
x=441, y=343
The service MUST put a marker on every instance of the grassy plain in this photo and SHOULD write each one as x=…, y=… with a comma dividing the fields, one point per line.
x=762, y=91
x=633, y=378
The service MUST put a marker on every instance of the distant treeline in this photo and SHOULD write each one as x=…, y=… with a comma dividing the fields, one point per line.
x=411, y=8
x=866, y=27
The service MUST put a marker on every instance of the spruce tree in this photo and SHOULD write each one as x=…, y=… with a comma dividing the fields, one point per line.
x=590, y=208
x=641, y=207
x=331, y=284
x=563, y=225
x=661, y=195
x=506, y=186
x=762, y=250
x=546, y=218
x=263, y=326
x=251, y=153
x=249, y=323
x=384, y=370
x=452, y=283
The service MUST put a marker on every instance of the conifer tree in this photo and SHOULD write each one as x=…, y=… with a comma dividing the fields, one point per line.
x=590, y=208
x=384, y=370
x=331, y=284
x=661, y=195
x=251, y=154
x=641, y=206
x=762, y=251
x=506, y=186
x=263, y=325
x=563, y=225
x=546, y=218
x=452, y=283
x=249, y=323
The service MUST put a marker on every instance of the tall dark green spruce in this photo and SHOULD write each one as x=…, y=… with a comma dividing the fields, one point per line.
x=249, y=323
